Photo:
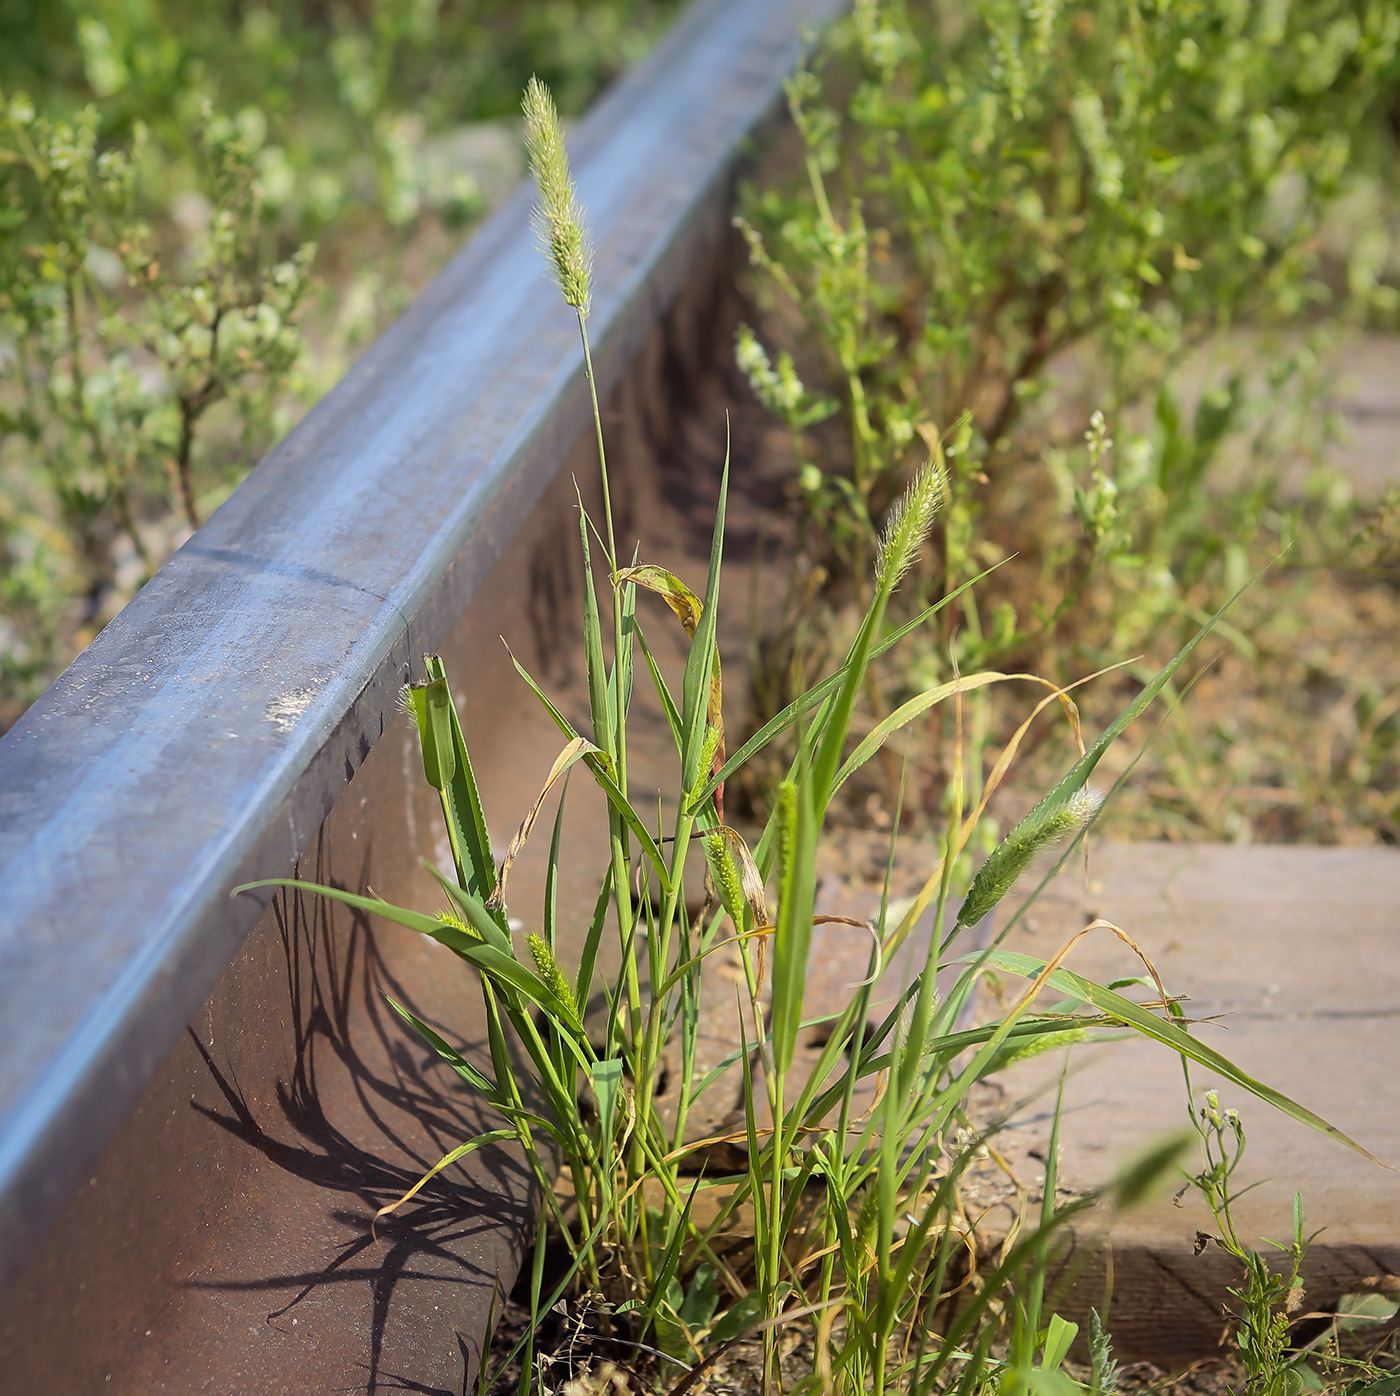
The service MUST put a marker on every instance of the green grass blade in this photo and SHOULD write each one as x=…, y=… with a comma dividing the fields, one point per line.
x=429, y=702
x=833, y=738
x=492, y=957
x=793, y=939
x=886, y=1185
x=583, y=986
x=762, y=1215
x=815, y=695
x=603, y=729
x=479, y=1080
x=607, y=1086
x=872, y=1062
x=906, y=713
x=527, y=1361
x=474, y=910
x=494, y=1136
x=668, y=704
x=469, y=1073
x=506, y=969
x=688, y=609
x=1124, y=1010
x=699, y=664
x=400, y=915
x=464, y=802
x=605, y=778
x=670, y=1258
x=551, y=877
x=623, y=665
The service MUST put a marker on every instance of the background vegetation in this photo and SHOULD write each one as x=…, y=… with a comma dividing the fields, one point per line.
x=1106, y=252
x=205, y=209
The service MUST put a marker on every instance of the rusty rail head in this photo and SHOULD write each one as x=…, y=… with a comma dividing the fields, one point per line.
x=201, y=739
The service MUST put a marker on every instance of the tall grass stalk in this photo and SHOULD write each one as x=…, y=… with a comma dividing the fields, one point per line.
x=854, y=1152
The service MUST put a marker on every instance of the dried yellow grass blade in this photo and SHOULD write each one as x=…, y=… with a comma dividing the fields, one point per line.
x=998, y=774
x=573, y=751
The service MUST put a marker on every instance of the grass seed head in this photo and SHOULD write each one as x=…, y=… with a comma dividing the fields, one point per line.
x=724, y=871
x=709, y=749
x=786, y=820
x=1041, y=1043
x=908, y=523
x=559, y=219
x=455, y=921
x=549, y=970
x=1011, y=857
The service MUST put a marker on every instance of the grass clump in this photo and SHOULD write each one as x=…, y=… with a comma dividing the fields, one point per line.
x=844, y=1173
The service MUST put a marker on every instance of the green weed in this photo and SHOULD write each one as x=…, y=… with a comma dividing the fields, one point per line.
x=346, y=99
x=847, y=1197
x=1269, y=1302
x=163, y=168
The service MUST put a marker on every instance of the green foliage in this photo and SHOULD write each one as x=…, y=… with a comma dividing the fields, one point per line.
x=1018, y=224
x=162, y=165
x=118, y=355
x=344, y=95
x=1269, y=1301
x=1124, y=177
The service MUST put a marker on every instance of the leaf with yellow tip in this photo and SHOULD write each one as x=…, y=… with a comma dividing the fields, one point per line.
x=688, y=609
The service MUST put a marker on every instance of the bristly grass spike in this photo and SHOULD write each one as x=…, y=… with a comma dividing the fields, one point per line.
x=560, y=217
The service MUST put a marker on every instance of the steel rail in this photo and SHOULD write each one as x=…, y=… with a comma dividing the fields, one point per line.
x=204, y=737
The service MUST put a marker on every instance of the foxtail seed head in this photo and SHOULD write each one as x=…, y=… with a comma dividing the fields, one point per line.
x=724, y=873
x=735, y=875
x=708, y=750
x=867, y=1216
x=454, y=920
x=550, y=971
x=559, y=219
x=786, y=812
x=907, y=525
x=1027, y=1047
x=1038, y=830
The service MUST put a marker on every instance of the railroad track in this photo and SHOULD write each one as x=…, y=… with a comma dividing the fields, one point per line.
x=204, y=1098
